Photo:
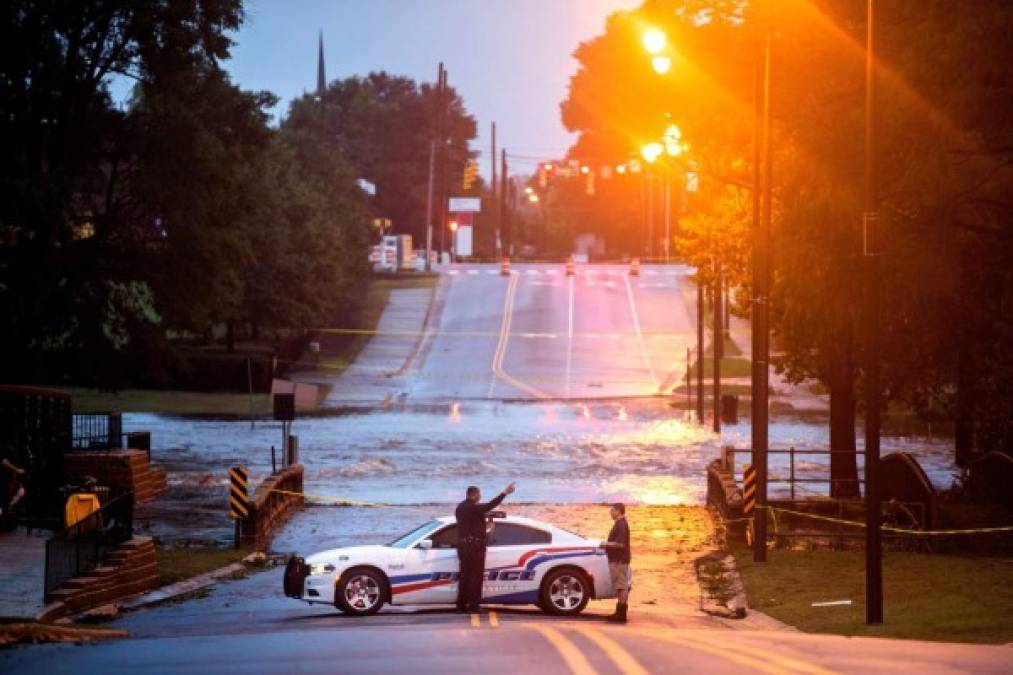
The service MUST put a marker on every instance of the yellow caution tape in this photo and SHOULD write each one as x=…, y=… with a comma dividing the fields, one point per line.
x=341, y=501
x=898, y=530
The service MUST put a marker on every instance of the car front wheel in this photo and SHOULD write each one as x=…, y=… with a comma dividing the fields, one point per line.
x=360, y=592
x=565, y=592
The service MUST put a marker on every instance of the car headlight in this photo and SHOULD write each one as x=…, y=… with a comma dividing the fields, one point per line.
x=323, y=568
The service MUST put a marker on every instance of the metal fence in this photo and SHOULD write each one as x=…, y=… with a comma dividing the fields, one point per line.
x=99, y=431
x=83, y=546
x=792, y=479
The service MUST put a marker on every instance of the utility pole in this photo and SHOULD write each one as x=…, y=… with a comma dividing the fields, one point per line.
x=700, y=309
x=668, y=215
x=873, y=541
x=503, y=212
x=761, y=291
x=441, y=163
x=718, y=339
x=650, y=215
x=435, y=131
x=496, y=222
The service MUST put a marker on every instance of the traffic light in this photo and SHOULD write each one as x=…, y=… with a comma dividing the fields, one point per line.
x=470, y=173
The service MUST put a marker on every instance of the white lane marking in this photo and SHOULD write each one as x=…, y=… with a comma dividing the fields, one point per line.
x=543, y=283
x=552, y=271
x=640, y=337
x=671, y=274
x=491, y=272
x=651, y=272
x=453, y=272
x=661, y=285
x=472, y=271
x=569, y=340
x=550, y=336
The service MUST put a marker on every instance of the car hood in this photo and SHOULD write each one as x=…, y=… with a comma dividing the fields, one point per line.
x=336, y=556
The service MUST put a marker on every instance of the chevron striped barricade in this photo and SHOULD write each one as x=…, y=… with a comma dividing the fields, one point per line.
x=239, y=497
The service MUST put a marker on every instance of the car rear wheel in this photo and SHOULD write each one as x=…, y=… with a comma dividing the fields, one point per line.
x=360, y=592
x=565, y=592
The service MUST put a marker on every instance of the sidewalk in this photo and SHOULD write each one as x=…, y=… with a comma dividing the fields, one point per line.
x=22, y=570
x=378, y=376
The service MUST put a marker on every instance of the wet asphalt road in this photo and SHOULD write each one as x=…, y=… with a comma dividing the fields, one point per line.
x=246, y=626
x=540, y=334
x=537, y=334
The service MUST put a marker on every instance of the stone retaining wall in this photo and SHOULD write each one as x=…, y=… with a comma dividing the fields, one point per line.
x=725, y=495
x=127, y=469
x=130, y=569
x=269, y=509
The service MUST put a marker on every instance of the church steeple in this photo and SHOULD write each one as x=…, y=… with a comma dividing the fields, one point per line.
x=321, y=76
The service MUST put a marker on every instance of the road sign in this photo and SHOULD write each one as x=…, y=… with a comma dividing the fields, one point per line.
x=239, y=504
x=748, y=490
x=465, y=205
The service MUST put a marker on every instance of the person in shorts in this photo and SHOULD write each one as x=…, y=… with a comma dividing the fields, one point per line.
x=617, y=549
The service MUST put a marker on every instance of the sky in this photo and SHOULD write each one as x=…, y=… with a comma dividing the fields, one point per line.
x=510, y=60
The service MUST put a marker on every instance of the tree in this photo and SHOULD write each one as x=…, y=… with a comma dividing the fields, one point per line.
x=381, y=125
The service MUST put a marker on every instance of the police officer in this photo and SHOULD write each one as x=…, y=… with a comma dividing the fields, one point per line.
x=471, y=545
x=617, y=548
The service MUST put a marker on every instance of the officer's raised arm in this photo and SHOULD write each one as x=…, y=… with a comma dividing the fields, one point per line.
x=498, y=499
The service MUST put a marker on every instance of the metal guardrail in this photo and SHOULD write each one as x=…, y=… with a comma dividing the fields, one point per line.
x=83, y=546
x=97, y=431
x=792, y=478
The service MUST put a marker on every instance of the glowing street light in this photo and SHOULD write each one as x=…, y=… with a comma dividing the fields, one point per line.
x=651, y=151
x=621, y=169
x=533, y=199
x=654, y=40
x=661, y=63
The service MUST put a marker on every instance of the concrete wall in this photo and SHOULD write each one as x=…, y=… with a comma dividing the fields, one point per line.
x=129, y=570
x=127, y=469
x=270, y=509
x=725, y=496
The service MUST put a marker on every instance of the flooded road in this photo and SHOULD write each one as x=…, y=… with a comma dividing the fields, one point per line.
x=638, y=451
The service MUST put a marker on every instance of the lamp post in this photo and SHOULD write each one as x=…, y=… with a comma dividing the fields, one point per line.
x=873, y=541
x=655, y=42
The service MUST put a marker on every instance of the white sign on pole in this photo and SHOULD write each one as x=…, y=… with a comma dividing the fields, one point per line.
x=465, y=204
x=464, y=241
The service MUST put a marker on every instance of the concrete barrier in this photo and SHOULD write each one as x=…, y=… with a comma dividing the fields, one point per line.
x=271, y=506
x=129, y=570
x=726, y=496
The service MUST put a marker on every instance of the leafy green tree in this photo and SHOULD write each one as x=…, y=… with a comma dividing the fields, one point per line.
x=381, y=125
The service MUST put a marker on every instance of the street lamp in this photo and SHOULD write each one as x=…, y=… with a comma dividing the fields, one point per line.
x=654, y=41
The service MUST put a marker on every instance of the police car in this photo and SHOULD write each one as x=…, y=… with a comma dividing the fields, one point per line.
x=527, y=562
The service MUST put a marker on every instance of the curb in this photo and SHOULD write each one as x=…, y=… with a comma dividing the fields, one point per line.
x=436, y=299
x=179, y=588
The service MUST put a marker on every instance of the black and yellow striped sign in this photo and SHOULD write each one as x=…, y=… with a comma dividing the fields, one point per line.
x=239, y=478
x=748, y=490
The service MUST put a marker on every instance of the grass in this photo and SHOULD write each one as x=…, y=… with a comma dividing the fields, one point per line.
x=178, y=564
x=926, y=597
x=338, y=351
x=167, y=401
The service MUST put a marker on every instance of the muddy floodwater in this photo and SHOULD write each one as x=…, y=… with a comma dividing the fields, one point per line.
x=641, y=452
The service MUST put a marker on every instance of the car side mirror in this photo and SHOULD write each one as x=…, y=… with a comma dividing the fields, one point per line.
x=426, y=544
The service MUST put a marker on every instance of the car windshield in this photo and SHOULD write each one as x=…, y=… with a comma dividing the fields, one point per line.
x=405, y=540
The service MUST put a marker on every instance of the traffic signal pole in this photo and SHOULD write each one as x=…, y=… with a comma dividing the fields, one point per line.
x=761, y=293
x=873, y=540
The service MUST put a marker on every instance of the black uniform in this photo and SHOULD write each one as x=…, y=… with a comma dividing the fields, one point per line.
x=620, y=534
x=471, y=549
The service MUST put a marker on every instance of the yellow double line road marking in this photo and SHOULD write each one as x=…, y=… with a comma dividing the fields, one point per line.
x=760, y=659
x=476, y=620
x=504, y=339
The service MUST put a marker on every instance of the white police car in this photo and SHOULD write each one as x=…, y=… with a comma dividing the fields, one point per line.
x=527, y=562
